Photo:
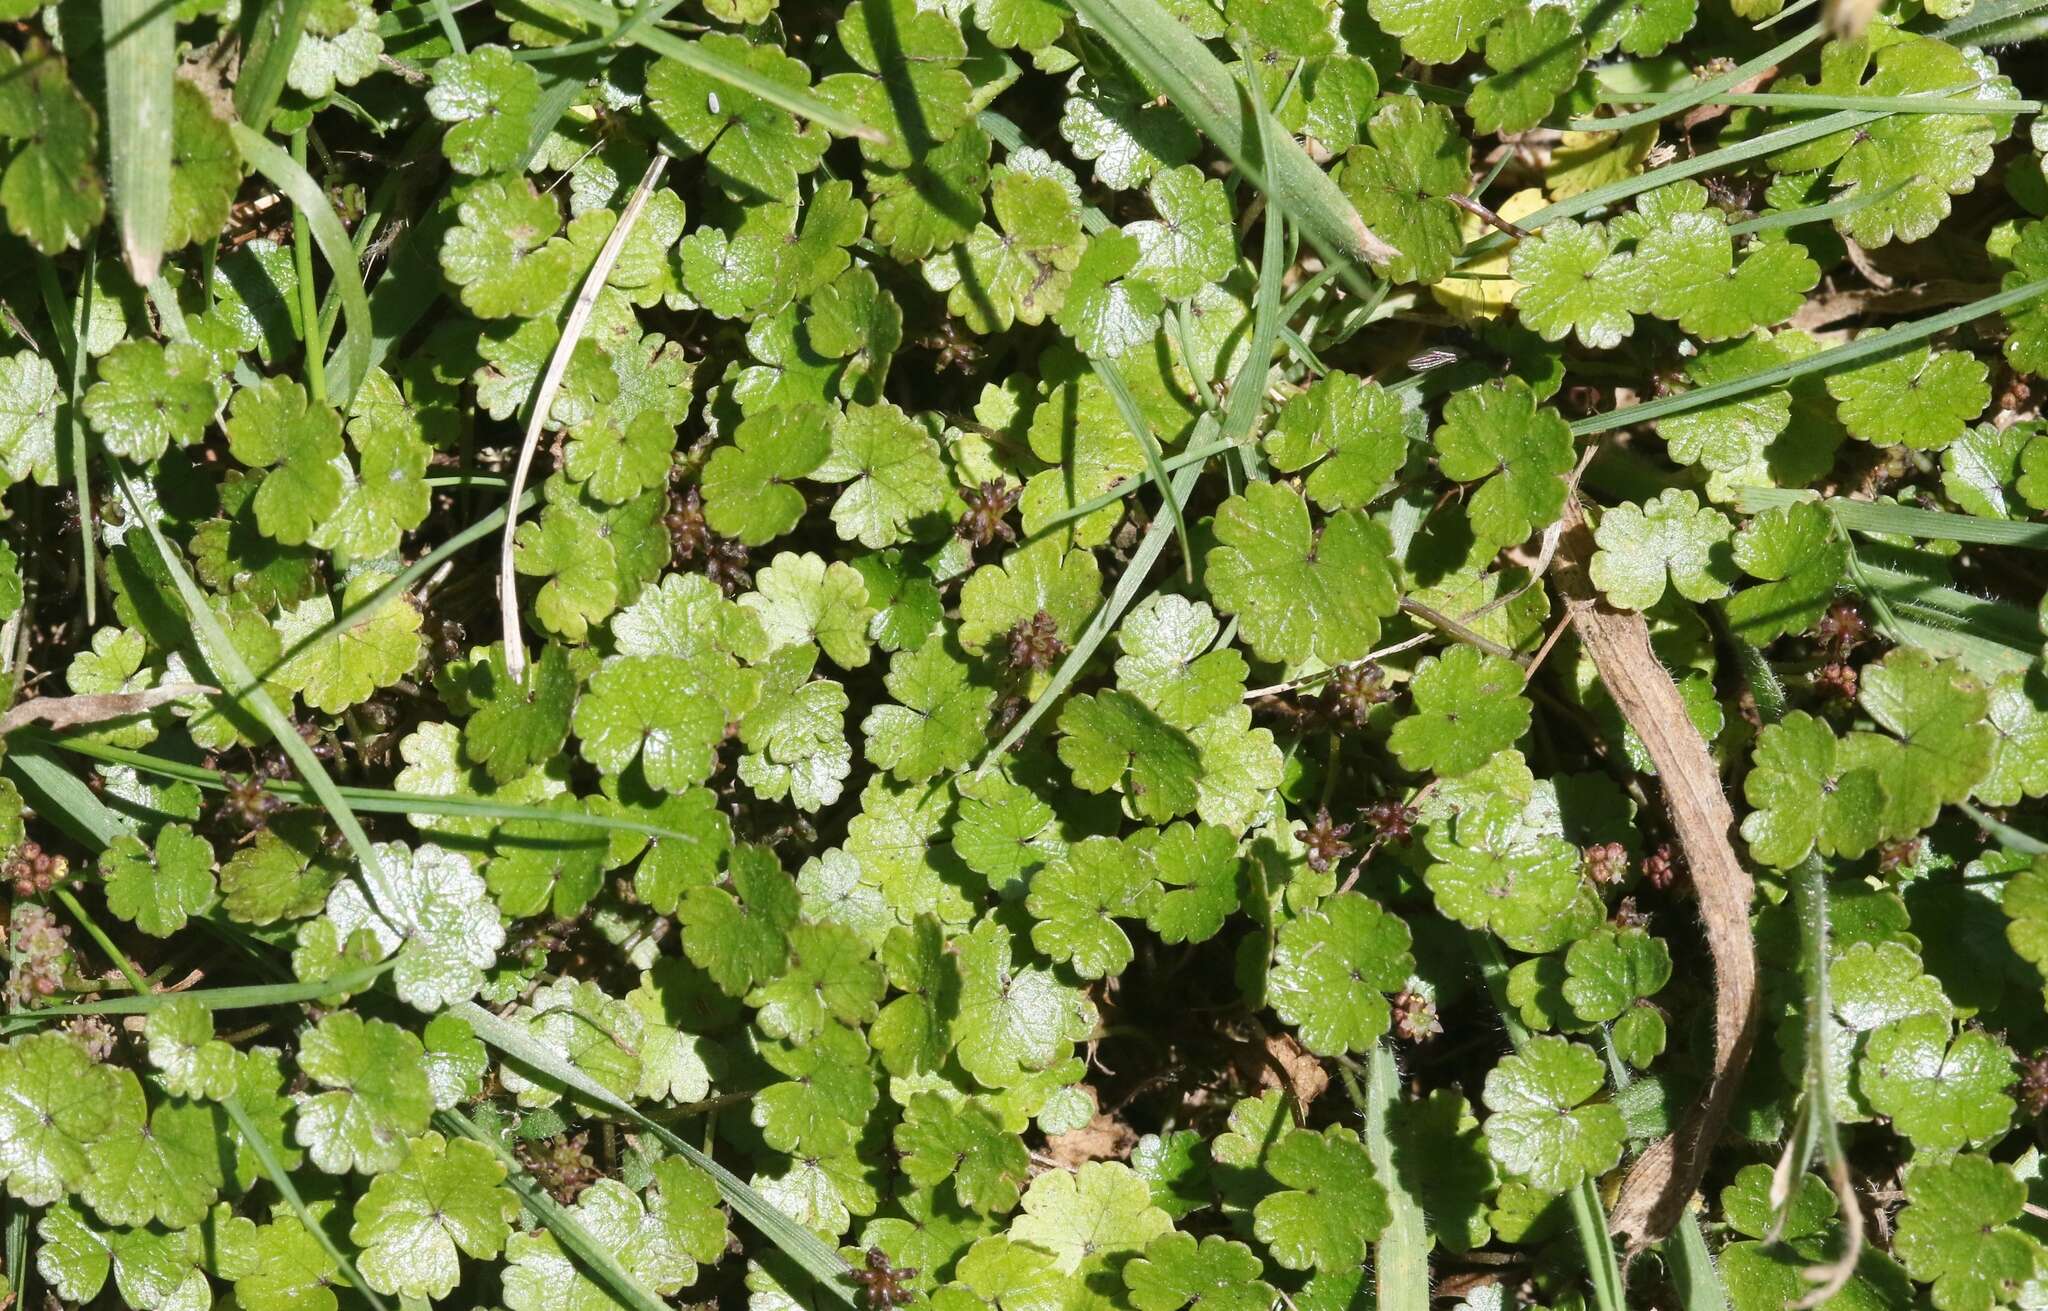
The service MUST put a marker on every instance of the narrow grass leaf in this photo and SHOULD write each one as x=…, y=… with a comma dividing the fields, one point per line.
x=70, y=328
x=1693, y=1269
x=1155, y=43
x=351, y=362
x=796, y=1242
x=1196, y=453
x=281, y=1178
x=1901, y=520
x=63, y=798
x=1141, y=428
x=142, y=64
x=1402, y=1268
x=373, y=801
x=1996, y=22
x=693, y=56
x=243, y=997
x=581, y=1245
x=1704, y=91
x=1793, y=218
x=234, y=675
x=1835, y=358
x=268, y=45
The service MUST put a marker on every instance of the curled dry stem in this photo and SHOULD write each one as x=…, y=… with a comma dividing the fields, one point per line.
x=544, y=400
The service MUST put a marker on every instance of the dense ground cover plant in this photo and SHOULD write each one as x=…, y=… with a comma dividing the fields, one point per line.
x=1023, y=654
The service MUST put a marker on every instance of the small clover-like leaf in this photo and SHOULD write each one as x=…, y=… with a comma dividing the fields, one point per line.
x=741, y=937
x=1416, y=158
x=749, y=490
x=151, y=395
x=158, y=893
x=1110, y=740
x=486, y=97
x=1573, y=281
x=800, y=598
x=1535, y=55
x=1355, y=432
x=1191, y=242
x=1012, y=1019
x=1469, y=706
x=1077, y=901
x=940, y=718
x=441, y=924
x=753, y=149
x=942, y=1140
x=1331, y=968
x=502, y=254
x=1329, y=1205
x=182, y=1047
x=376, y=1095
x=1543, y=1127
x=1805, y=794
x=1954, y=1232
x=1940, y=1094
x=1217, y=1273
x=1301, y=589
x=1089, y=1218
x=55, y=1101
x=1920, y=398
x=1794, y=550
x=447, y=1199
x=1497, y=432
x=892, y=472
x=1673, y=534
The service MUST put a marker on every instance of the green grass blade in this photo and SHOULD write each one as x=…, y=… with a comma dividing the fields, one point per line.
x=1248, y=389
x=1693, y=1269
x=1155, y=43
x=661, y=41
x=70, y=329
x=281, y=1178
x=142, y=64
x=2024, y=843
x=1996, y=22
x=1890, y=104
x=61, y=797
x=1141, y=428
x=241, y=997
x=1402, y=1269
x=1589, y=1217
x=1679, y=101
x=375, y=801
x=1105, y=619
x=1793, y=218
x=1901, y=520
x=1196, y=453
x=351, y=362
x=268, y=47
x=1835, y=358
x=445, y=16
x=233, y=674
x=581, y=1245
x=796, y=1242
x=17, y=1252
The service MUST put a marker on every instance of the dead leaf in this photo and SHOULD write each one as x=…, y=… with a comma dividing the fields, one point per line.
x=1290, y=1066
x=1101, y=1139
x=1654, y=1193
x=95, y=707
